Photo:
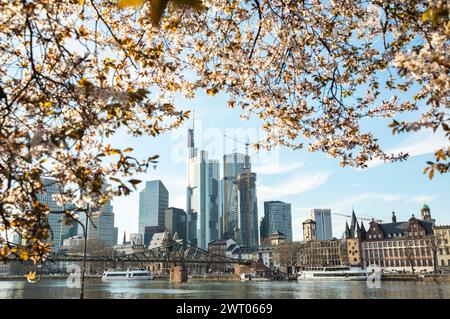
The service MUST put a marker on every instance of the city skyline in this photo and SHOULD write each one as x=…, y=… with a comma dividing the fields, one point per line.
x=306, y=180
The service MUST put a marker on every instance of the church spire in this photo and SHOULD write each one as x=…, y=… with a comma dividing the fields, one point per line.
x=357, y=231
x=353, y=223
x=347, y=231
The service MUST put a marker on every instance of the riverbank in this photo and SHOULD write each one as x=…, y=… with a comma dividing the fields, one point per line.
x=58, y=276
x=233, y=277
x=415, y=277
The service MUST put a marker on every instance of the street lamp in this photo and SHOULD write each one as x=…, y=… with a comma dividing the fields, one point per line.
x=85, y=231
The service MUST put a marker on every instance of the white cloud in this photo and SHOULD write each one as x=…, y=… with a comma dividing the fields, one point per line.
x=421, y=199
x=297, y=184
x=420, y=143
x=277, y=168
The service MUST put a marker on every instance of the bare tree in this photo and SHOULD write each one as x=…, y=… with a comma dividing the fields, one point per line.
x=287, y=254
x=435, y=242
x=409, y=253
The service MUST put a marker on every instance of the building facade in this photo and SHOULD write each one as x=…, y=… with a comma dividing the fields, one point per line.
x=56, y=221
x=136, y=239
x=215, y=200
x=442, y=235
x=233, y=166
x=309, y=230
x=320, y=253
x=116, y=236
x=246, y=210
x=176, y=222
x=153, y=201
x=149, y=231
x=203, y=196
x=277, y=218
x=100, y=225
x=399, y=246
x=353, y=237
x=322, y=217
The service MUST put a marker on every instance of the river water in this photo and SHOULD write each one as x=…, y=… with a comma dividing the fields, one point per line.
x=95, y=288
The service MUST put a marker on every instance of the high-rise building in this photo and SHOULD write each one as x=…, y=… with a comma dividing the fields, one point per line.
x=176, y=222
x=100, y=225
x=116, y=236
x=233, y=166
x=277, y=218
x=56, y=221
x=153, y=201
x=150, y=231
x=136, y=238
x=245, y=207
x=215, y=204
x=203, y=196
x=322, y=217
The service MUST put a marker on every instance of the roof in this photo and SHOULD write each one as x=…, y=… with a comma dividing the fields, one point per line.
x=218, y=242
x=425, y=206
x=309, y=221
x=277, y=233
x=158, y=239
x=401, y=227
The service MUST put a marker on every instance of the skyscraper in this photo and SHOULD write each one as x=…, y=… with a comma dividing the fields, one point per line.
x=116, y=236
x=176, y=222
x=245, y=208
x=233, y=166
x=153, y=201
x=56, y=222
x=215, y=204
x=277, y=218
x=322, y=217
x=101, y=225
x=203, y=197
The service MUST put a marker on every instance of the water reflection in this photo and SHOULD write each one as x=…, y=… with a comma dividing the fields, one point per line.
x=56, y=288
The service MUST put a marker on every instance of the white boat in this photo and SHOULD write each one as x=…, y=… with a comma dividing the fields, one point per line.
x=127, y=275
x=333, y=273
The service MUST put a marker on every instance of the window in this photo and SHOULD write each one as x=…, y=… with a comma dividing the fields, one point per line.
x=442, y=262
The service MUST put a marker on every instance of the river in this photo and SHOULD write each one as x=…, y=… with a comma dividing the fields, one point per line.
x=95, y=288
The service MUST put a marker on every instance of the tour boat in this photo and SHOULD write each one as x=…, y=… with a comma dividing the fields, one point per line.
x=127, y=275
x=333, y=273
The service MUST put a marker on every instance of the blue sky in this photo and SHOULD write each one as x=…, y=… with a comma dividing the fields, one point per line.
x=306, y=180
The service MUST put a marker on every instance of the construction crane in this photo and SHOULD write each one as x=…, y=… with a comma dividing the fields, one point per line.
x=361, y=218
x=246, y=144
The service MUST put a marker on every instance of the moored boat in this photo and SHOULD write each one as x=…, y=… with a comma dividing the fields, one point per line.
x=334, y=273
x=127, y=275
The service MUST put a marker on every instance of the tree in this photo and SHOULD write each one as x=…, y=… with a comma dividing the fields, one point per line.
x=435, y=243
x=409, y=253
x=286, y=254
x=73, y=73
